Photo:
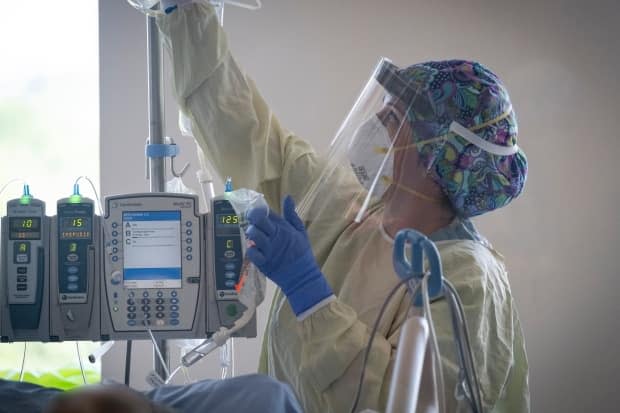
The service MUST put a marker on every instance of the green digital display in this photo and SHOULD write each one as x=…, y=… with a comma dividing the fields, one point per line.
x=228, y=219
x=24, y=228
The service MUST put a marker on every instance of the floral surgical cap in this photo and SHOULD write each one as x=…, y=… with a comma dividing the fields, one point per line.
x=474, y=180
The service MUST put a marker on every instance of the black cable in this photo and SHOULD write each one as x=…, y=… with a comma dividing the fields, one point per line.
x=465, y=350
x=127, y=363
x=370, y=340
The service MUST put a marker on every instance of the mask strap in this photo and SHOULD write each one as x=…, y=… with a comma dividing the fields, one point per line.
x=467, y=134
x=411, y=191
x=471, y=137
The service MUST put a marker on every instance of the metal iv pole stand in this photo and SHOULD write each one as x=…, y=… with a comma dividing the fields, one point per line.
x=157, y=166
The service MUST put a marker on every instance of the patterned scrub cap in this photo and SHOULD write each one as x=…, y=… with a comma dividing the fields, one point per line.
x=469, y=96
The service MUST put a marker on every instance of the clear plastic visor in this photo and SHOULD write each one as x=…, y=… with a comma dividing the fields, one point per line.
x=383, y=149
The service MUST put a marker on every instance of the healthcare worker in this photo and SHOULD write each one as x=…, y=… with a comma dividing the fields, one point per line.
x=425, y=147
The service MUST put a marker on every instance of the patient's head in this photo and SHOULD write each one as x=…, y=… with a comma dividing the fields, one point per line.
x=104, y=399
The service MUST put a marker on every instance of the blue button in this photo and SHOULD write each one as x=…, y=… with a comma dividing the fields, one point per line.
x=114, y=241
x=174, y=322
x=115, y=233
x=230, y=275
x=174, y=301
x=114, y=250
x=174, y=308
x=72, y=287
x=174, y=314
x=114, y=224
x=230, y=266
x=173, y=294
x=73, y=278
x=189, y=257
x=131, y=323
x=188, y=224
x=73, y=269
x=145, y=294
x=230, y=283
x=114, y=258
x=160, y=294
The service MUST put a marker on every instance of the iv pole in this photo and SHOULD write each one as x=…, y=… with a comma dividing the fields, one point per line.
x=157, y=165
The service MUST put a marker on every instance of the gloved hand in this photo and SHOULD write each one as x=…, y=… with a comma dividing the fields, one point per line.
x=283, y=253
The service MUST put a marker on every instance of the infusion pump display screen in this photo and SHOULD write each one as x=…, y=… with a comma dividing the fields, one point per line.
x=152, y=249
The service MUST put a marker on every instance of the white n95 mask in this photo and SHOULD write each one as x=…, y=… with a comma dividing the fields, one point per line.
x=372, y=159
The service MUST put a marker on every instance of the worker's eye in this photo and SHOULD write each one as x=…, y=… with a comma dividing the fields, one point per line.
x=392, y=118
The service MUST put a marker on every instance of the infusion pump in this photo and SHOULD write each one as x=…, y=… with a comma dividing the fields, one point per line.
x=152, y=262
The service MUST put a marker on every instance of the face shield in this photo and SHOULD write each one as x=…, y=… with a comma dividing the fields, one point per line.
x=386, y=144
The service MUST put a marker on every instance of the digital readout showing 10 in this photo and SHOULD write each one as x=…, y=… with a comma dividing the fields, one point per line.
x=24, y=228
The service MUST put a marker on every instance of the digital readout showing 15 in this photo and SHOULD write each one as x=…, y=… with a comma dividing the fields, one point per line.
x=75, y=228
x=74, y=223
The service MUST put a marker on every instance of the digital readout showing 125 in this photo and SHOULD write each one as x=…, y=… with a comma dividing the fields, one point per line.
x=228, y=219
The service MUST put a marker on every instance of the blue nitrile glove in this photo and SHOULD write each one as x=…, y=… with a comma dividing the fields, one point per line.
x=283, y=253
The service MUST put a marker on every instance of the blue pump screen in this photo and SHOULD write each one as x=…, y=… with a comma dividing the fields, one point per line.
x=152, y=249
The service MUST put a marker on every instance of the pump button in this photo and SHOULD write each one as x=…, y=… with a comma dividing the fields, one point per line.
x=22, y=270
x=116, y=279
x=231, y=310
x=73, y=257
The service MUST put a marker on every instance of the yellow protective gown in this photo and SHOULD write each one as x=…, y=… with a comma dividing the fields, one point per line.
x=320, y=356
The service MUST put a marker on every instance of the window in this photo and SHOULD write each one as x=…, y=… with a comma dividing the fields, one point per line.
x=49, y=128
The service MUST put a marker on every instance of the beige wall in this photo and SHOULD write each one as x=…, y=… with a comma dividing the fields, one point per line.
x=560, y=61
